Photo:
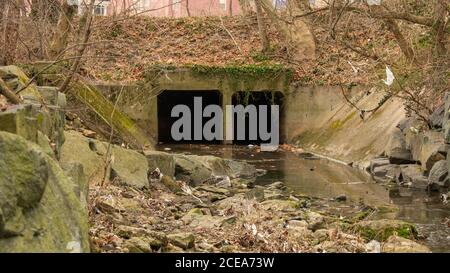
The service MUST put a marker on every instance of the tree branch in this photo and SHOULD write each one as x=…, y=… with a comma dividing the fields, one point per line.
x=9, y=95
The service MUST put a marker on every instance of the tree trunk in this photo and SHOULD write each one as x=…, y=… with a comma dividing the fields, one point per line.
x=402, y=42
x=82, y=46
x=230, y=8
x=10, y=35
x=187, y=8
x=262, y=27
x=282, y=27
x=60, y=38
x=45, y=10
x=440, y=27
x=3, y=15
x=245, y=7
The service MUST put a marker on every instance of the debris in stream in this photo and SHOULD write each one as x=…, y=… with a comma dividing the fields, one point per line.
x=209, y=218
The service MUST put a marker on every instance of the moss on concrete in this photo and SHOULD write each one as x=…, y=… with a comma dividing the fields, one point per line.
x=337, y=124
x=238, y=77
x=111, y=115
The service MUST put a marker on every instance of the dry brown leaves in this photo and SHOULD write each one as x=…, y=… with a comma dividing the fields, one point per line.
x=135, y=43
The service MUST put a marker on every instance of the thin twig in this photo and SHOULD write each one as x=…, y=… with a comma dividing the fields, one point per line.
x=229, y=33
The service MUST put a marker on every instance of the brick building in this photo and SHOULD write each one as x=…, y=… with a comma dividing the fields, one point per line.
x=170, y=8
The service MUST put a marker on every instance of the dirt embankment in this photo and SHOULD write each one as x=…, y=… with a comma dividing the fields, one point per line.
x=123, y=49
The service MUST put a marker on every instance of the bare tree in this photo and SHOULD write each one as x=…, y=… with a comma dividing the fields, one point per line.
x=188, y=11
x=424, y=69
x=88, y=14
x=245, y=7
x=262, y=28
x=230, y=7
x=12, y=10
x=45, y=10
x=63, y=29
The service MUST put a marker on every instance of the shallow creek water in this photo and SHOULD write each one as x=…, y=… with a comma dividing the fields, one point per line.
x=325, y=179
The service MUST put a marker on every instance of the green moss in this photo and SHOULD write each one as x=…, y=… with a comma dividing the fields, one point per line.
x=381, y=230
x=237, y=77
x=361, y=215
x=105, y=109
x=404, y=231
x=337, y=124
x=260, y=57
x=424, y=41
x=239, y=71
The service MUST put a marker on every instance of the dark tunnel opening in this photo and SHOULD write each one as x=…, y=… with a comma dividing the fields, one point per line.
x=168, y=99
x=258, y=98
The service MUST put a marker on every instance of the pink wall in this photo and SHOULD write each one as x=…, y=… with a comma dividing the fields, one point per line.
x=173, y=8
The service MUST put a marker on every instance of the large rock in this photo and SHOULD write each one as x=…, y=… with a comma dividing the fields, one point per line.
x=75, y=172
x=385, y=173
x=376, y=162
x=396, y=149
x=255, y=193
x=437, y=117
x=427, y=148
x=408, y=124
x=17, y=80
x=232, y=168
x=138, y=245
x=129, y=166
x=396, y=244
x=198, y=169
x=438, y=176
x=315, y=220
x=182, y=240
x=412, y=176
x=85, y=151
x=20, y=120
x=197, y=219
x=47, y=106
x=191, y=170
x=57, y=101
x=39, y=208
x=380, y=230
x=164, y=161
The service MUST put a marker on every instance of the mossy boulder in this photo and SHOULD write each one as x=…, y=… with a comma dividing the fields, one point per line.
x=138, y=245
x=183, y=240
x=75, y=172
x=16, y=80
x=39, y=209
x=380, y=230
x=20, y=120
x=42, y=109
